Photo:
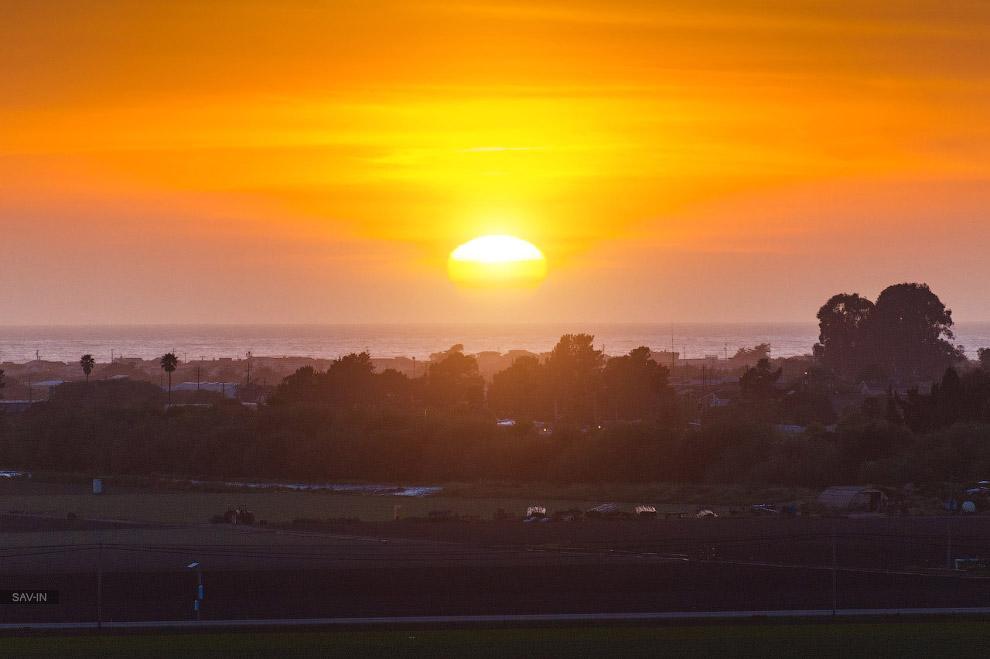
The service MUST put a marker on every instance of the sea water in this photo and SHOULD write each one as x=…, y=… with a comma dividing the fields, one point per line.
x=692, y=340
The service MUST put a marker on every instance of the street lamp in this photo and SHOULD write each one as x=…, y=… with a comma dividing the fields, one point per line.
x=199, y=589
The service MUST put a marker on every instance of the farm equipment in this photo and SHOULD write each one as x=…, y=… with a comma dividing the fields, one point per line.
x=239, y=515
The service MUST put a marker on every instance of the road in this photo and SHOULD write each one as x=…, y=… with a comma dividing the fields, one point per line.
x=506, y=619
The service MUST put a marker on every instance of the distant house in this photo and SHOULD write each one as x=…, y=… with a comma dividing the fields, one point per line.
x=15, y=406
x=871, y=389
x=228, y=389
x=666, y=358
x=49, y=383
x=713, y=400
x=853, y=498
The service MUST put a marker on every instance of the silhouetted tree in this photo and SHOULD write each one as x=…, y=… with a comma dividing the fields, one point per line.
x=843, y=345
x=983, y=354
x=169, y=363
x=574, y=369
x=901, y=335
x=759, y=382
x=908, y=323
x=395, y=388
x=746, y=357
x=455, y=379
x=296, y=388
x=635, y=384
x=350, y=381
x=87, y=363
x=521, y=390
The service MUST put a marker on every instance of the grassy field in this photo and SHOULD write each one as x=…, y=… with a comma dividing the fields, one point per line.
x=196, y=507
x=958, y=638
x=184, y=507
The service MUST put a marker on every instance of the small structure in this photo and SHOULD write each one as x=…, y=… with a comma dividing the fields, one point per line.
x=15, y=406
x=238, y=515
x=713, y=399
x=646, y=512
x=853, y=498
x=49, y=383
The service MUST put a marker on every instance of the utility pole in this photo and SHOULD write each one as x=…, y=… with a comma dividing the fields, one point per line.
x=948, y=524
x=99, y=587
x=671, y=348
x=835, y=588
x=948, y=543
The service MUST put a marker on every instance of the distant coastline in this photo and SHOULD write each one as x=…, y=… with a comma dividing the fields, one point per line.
x=21, y=344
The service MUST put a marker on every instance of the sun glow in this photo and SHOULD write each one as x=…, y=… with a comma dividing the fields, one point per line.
x=497, y=262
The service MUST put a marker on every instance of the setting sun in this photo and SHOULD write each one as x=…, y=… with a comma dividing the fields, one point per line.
x=497, y=262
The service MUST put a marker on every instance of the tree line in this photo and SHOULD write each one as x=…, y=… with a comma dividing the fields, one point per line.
x=599, y=419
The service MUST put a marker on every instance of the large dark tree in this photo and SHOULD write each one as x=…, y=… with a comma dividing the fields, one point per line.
x=843, y=345
x=908, y=324
x=350, y=380
x=635, y=385
x=574, y=370
x=521, y=390
x=903, y=336
x=454, y=380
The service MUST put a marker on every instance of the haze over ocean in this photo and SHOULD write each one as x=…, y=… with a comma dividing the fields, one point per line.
x=693, y=340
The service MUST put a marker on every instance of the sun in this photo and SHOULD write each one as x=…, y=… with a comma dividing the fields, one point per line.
x=497, y=262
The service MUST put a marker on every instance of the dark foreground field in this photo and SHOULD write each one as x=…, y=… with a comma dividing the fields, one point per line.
x=897, y=640
x=414, y=569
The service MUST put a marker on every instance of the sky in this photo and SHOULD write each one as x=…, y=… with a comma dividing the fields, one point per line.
x=308, y=161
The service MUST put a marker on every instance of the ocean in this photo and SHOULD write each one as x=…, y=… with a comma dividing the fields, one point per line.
x=20, y=344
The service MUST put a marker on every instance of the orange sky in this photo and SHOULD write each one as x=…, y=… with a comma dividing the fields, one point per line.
x=315, y=161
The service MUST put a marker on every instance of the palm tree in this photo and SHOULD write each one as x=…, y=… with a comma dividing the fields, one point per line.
x=87, y=362
x=169, y=363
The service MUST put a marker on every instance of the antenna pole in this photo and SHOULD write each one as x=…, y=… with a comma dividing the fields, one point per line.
x=834, y=575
